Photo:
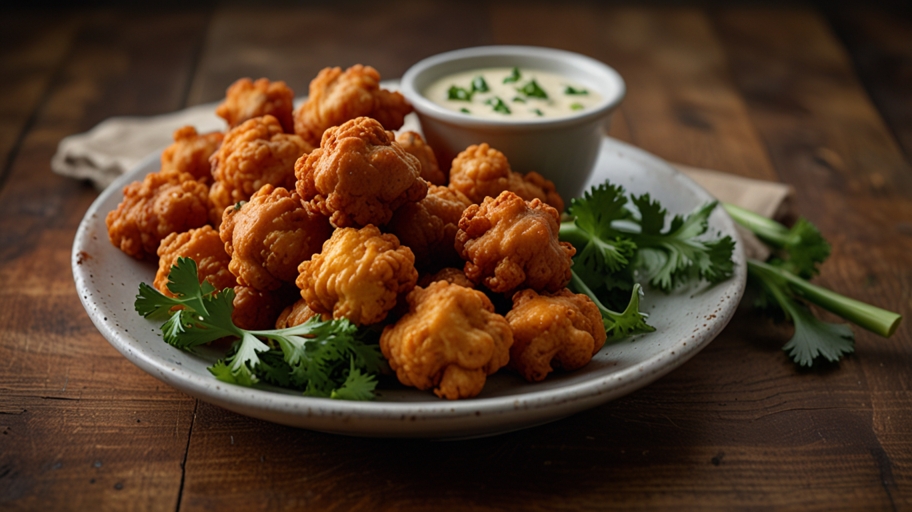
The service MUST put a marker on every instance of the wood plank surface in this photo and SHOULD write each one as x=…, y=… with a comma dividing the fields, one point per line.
x=800, y=95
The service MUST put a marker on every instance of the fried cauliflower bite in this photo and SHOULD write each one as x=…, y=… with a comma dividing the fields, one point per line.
x=481, y=171
x=359, y=275
x=254, y=154
x=450, y=340
x=246, y=99
x=269, y=236
x=207, y=250
x=358, y=176
x=160, y=204
x=553, y=331
x=509, y=243
x=259, y=309
x=338, y=96
x=190, y=153
x=451, y=275
x=415, y=146
x=429, y=226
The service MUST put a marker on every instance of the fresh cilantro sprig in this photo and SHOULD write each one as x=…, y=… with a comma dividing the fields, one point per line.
x=616, y=235
x=784, y=288
x=321, y=358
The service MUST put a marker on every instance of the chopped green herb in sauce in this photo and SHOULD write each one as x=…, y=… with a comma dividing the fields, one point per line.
x=538, y=112
x=498, y=105
x=570, y=90
x=465, y=110
x=459, y=94
x=479, y=85
x=533, y=90
x=576, y=106
x=518, y=99
x=514, y=77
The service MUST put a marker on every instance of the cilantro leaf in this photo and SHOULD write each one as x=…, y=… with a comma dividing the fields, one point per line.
x=319, y=358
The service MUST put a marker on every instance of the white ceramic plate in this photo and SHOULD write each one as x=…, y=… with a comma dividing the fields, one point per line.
x=686, y=321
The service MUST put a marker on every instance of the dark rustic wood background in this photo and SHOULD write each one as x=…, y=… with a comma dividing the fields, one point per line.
x=814, y=95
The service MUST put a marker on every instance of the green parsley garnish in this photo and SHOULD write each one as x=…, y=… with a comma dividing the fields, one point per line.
x=576, y=106
x=533, y=90
x=459, y=94
x=465, y=110
x=514, y=76
x=479, y=85
x=538, y=112
x=570, y=90
x=498, y=105
x=321, y=358
x=518, y=99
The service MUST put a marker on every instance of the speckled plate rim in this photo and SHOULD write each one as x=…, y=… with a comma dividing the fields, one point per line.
x=424, y=415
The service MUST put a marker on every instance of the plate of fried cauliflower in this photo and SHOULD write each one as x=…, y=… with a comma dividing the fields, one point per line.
x=338, y=208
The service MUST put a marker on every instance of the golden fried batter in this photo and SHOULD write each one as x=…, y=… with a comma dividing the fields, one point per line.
x=553, y=331
x=207, y=250
x=270, y=235
x=295, y=314
x=246, y=99
x=450, y=340
x=160, y=204
x=190, y=153
x=449, y=274
x=429, y=226
x=359, y=275
x=415, y=145
x=258, y=309
x=509, y=243
x=254, y=154
x=337, y=96
x=358, y=176
x=482, y=171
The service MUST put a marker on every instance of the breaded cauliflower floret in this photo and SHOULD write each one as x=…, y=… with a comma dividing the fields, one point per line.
x=482, y=171
x=553, y=331
x=246, y=99
x=207, y=250
x=451, y=275
x=429, y=226
x=270, y=235
x=337, y=96
x=254, y=154
x=160, y=204
x=417, y=147
x=359, y=275
x=450, y=340
x=190, y=153
x=258, y=309
x=509, y=243
x=358, y=176
x=296, y=314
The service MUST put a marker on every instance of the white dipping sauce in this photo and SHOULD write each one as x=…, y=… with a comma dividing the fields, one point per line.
x=511, y=93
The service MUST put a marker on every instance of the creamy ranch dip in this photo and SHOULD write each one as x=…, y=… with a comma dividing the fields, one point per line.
x=511, y=93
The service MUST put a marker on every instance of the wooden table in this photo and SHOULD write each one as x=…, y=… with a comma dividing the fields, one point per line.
x=819, y=99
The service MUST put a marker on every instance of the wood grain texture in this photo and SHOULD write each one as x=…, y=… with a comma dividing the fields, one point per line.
x=82, y=428
x=766, y=92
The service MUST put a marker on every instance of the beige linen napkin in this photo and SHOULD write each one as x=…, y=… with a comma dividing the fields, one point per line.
x=119, y=143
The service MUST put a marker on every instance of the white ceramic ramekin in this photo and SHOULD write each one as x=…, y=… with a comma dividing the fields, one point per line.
x=563, y=149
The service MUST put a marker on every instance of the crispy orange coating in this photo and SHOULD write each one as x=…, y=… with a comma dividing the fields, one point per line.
x=359, y=274
x=190, y=153
x=259, y=309
x=417, y=147
x=270, y=235
x=429, y=226
x=337, y=96
x=451, y=275
x=481, y=171
x=254, y=154
x=358, y=176
x=246, y=99
x=295, y=314
x=509, y=243
x=553, y=331
x=160, y=204
x=207, y=250
x=450, y=340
